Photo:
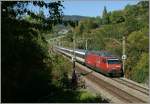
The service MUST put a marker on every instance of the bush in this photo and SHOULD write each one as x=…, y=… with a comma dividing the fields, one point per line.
x=141, y=70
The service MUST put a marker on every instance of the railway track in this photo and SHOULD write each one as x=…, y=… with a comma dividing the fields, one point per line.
x=132, y=85
x=118, y=92
x=123, y=90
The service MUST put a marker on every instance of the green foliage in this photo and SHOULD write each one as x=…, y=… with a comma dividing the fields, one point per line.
x=106, y=19
x=65, y=96
x=86, y=97
x=86, y=25
x=13, y=9
x=26, y=62
x=62, y=68
x=117, y=17
x=98, y=20
x=96, y=42
x=30, y=19
x=137, y=45
x=138, y=41
x=136, y=16
x=141, y=70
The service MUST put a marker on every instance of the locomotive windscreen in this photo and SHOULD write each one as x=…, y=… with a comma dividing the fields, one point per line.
x=114, y=62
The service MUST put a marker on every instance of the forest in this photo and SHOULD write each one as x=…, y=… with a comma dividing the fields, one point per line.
x=32, y=72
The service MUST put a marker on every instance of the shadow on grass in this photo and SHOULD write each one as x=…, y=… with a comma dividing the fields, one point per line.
x=71, y=96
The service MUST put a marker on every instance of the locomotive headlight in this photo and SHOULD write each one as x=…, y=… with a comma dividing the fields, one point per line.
x=118, y=66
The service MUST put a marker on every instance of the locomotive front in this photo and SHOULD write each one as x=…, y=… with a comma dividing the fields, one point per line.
x=114, y=67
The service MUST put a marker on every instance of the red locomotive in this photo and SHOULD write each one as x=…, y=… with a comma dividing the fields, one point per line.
x=101, y=61
x=104, y=63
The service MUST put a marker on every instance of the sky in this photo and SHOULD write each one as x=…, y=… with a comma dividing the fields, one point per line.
x=90, y=8
x=94, y=8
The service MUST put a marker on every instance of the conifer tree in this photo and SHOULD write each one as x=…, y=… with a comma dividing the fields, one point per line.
x=105, y=19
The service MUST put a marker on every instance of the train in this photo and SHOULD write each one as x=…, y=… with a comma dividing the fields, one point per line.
x=101, y=61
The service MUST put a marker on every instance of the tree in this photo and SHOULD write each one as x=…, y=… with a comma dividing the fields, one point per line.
x=141, y=70
x=105, y=16
x=117, y=17
x=98, y=20
x=19, y=8
x=26, y=63
x=41, y=14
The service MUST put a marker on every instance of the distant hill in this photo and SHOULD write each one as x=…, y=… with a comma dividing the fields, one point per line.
x=74, y=17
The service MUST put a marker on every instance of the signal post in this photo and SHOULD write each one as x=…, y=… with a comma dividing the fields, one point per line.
x=123, y=54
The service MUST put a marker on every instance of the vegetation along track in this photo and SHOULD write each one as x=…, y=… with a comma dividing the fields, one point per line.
x=120, y=93
x=132, y=85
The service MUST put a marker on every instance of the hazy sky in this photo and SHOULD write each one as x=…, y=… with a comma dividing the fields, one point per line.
x=93, y=7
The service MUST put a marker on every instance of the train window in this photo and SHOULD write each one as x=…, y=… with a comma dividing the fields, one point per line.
x=114, y=62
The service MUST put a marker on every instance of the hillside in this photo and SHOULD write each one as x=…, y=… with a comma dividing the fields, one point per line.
x=106, y=33
x=74, y=17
